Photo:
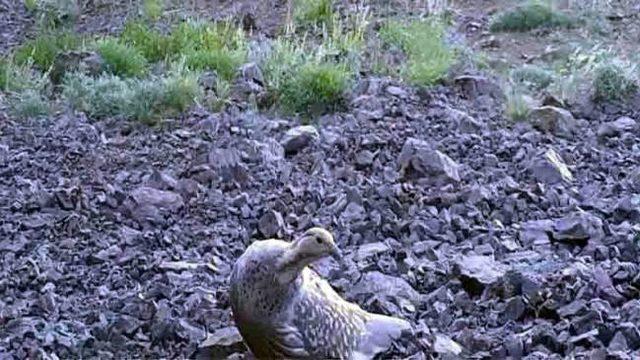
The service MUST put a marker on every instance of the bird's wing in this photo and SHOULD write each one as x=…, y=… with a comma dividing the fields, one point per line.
x=285, y=341
x=375, y=333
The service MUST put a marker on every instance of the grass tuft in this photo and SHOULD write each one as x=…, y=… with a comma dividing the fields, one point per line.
x=194, y=35
x=315, y=88
x=181, y=91
x=532, y=77
x=614, y=81
x=282, y=61
x=219, y=46
x=313, y=12
x=122, y=59
x=52, y=14
x=29, y=104
x=532, y=15
x=152, y=9
x=137, y=99
x=31, y=5
x=151, y=43
x=428, y=56
x=224, y=62
x=4, y=74
x=14, y=78
x=517, y=108
x=43, y=50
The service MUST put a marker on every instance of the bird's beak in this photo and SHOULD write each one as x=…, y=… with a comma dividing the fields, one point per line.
x=336, y=254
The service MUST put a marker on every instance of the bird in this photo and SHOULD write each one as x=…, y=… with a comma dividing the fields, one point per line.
x=285, y=310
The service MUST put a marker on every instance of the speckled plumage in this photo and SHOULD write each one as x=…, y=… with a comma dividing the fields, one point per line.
x=301, y=316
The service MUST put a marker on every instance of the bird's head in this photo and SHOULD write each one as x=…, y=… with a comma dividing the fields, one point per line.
x=317, y=243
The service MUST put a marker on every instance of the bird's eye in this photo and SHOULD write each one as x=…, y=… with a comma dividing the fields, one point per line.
x=319, y=240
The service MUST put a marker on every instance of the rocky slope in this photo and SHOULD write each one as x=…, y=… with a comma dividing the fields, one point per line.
x=117, y=239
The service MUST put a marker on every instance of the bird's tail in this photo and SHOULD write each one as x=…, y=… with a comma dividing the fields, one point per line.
x=382, y=332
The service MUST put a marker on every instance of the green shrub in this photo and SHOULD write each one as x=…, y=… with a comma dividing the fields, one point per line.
x=428, y=56
x=194, y=36
x=29, y=104
x=218, y=46
x=222, y=91
x=315, y=88
x=137, y=99
x=152, y=9
x=55, y=13
x=224, y=62
x=122, y=59
x=151, y=43
x=313, y=11
x=144, y=101
x=15, y=78
x=181, y=90
x=43, y=50
x=532, y=77
x=283, y=60
x=532, y=15
x=31, y=5
x=4, y=74
x=100, y=97
x=613, y=81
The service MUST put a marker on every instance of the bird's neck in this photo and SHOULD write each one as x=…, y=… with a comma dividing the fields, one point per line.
x=292, y=263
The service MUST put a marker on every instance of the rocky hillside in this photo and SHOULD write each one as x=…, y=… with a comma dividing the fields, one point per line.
x=496, y=238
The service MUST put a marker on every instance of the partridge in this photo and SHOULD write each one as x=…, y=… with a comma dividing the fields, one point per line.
x=284, y=309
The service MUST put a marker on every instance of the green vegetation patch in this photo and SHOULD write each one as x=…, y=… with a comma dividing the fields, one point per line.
x=15, y=78
x=532, y=77
x=122, y=59
x=153, y=9
x=305, y=81
x=532, y=15
x=29, y=104
x=517, y=108
x=4, y=74
x=43, y=50
x=428, y=56
x=315, y=88
x=151, y=43
x=139, y=99
x=614, y=81
x=31, y=5
x=225, y=63
x=205, y=46
x=313, y=12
